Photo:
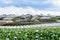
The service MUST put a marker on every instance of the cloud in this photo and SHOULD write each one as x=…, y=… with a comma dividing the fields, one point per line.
x=27, y=10
x=54, y=2
x=23, y=2
x=31, y=2
x=50, y=5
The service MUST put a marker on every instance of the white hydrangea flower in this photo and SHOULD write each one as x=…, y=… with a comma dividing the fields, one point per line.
x=41, y=38
x=41, y=31
x=40, y=34
x=59, y=38
x=36, y=30
x=19, y=32
x=7, y=38
x=26, y=35
x=37, y=36
x=15, y=37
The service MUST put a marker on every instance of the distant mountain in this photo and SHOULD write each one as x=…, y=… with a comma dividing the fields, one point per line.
x=9, y=15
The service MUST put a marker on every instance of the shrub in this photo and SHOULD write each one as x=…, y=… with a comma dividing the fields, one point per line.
x=30, y=34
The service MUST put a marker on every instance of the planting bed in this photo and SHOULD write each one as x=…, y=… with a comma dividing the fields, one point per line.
x=30, y=34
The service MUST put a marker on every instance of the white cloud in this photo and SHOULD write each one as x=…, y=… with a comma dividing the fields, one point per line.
x=54, y=2
x=27, y=10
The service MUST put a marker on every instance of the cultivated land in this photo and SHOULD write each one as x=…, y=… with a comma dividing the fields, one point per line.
x=30, y=33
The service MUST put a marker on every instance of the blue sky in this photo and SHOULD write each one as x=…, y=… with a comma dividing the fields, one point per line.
x=47, y=5
x=39, y=4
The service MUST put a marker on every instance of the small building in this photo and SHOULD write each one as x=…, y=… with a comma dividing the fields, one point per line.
x=20, y=20
x=24, y=18
x=45, y=18
x=8, y=20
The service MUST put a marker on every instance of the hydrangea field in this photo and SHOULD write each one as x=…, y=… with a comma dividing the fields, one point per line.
x=30, y=34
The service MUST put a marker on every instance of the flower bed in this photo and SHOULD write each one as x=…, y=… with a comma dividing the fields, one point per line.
x=30, y=34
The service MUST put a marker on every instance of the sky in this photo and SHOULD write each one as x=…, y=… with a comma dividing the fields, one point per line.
x=20, y=7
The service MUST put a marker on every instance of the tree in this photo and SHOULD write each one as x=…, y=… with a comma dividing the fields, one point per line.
x=53, y=19
x=2, y=18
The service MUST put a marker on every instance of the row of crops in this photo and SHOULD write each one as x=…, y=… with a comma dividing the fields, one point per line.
x=30, y=34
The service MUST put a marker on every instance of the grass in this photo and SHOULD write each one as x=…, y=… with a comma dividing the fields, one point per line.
x=30, y=33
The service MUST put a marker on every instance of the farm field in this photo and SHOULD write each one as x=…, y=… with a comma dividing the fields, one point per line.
x=30, y=34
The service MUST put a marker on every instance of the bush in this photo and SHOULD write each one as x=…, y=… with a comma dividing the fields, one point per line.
x=10, y=24
x=20, y=23
x=30, y=34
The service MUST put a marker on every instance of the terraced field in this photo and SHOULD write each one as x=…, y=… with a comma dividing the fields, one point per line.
x=30, y=34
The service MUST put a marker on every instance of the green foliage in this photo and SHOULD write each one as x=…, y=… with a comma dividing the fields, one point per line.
x=10, y=24
x=57, y=17
x=21, y=23
x=16, y=18
x=53, y=19
x=30, y=34
x=2, y=18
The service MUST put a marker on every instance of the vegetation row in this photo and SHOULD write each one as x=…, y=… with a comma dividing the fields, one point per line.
x=30, y=34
